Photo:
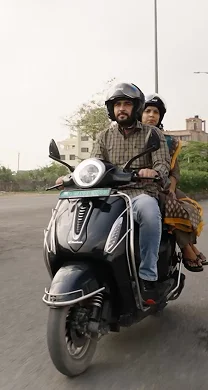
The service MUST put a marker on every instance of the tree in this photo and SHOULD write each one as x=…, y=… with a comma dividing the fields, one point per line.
x=91, y=117
x=48, y=173
x=194, y=156
x=53, y=171
x=6, y=175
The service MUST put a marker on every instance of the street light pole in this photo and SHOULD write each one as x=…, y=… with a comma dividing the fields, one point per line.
x=18, y=161
x=156, y=47
x=201, y=72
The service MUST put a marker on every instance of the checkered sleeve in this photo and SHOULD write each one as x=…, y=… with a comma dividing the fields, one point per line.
x=161, y=158
x=99, y=149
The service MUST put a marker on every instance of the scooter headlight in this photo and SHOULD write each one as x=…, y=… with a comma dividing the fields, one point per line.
x=88, y=173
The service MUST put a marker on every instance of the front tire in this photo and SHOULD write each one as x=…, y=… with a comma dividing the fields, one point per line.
x=71, y=353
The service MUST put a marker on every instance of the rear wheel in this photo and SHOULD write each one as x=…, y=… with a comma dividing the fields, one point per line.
x=70, y=347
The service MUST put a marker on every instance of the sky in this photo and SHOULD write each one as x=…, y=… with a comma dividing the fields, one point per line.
x=56, y=54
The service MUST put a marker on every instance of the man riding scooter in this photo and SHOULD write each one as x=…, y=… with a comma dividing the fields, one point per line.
x=125, y=102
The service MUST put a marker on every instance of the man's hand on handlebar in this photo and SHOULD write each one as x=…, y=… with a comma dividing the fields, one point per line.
x=147, y=173
x=60, y=181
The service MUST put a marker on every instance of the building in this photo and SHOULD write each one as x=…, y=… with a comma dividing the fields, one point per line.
x=195, y=130
x=75, y=148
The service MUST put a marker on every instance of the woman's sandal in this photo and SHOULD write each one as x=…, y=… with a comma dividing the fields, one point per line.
x=192, y=265
x=202, y=259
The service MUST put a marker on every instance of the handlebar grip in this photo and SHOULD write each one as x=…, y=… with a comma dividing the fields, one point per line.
x=53, y=187
x=67, y=180
x=138, y=178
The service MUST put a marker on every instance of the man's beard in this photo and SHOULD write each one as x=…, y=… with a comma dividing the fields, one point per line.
x=126, y=122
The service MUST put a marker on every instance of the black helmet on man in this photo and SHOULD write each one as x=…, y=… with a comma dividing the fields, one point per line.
x=128, y=92
x=156, y=101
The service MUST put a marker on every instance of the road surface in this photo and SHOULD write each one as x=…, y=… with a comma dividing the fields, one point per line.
x=168, y=352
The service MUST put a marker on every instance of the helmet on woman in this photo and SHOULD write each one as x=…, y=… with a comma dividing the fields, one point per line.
x=156, y=101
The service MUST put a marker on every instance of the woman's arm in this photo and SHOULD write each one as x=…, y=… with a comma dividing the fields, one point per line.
x=174, y=178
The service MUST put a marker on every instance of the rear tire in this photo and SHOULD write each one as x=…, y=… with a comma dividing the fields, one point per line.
x=69, y=359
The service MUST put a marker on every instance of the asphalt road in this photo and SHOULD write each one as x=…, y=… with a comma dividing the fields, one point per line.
x=167, y=352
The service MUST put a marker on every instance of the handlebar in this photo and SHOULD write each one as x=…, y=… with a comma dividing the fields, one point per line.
x=136, y=177
x=66, y=181
x=52, y=188
x=125, y=178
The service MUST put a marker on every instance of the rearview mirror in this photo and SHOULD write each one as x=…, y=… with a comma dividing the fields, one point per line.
x=55, y=155
x=152, y=143
x=53, y=150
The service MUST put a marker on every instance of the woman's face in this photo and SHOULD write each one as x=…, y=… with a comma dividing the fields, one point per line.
x=151, y=116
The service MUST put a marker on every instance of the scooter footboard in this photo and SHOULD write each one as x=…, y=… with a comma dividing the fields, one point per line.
x=72, y=284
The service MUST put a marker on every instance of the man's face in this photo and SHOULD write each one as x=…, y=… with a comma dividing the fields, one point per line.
x=122, y=111
x=151, y=116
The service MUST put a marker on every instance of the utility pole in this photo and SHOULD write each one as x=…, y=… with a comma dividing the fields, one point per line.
x=156, y=47
x=18, y=161
x=201, y=72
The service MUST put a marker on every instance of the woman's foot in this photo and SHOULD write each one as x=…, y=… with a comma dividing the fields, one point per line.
x=191, y=261
x=202, y=258
x=200, y=255
x=192, y=265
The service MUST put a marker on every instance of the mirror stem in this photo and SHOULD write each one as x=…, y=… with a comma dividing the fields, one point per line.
x=62, y=162
x=128, y=164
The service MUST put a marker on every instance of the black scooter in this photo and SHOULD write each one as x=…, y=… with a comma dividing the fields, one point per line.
x=91, y=251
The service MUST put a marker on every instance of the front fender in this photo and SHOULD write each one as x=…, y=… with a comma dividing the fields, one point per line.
x=72, y=284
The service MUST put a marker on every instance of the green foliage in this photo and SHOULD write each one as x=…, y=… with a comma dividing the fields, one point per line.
x=91, y=117
x=194, y=156
x=198, y=166
x=193, y=161
x=32, y=180
x=51, y=172
x=193, y=181
x=6, y=174
x=47, y=173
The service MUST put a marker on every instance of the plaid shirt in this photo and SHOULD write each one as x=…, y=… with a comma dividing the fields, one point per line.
x=115, y=146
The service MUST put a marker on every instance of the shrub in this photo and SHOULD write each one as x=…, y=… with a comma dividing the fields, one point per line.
x=193, y=181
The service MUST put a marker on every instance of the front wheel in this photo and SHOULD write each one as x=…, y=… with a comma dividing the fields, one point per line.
x=70, y=347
